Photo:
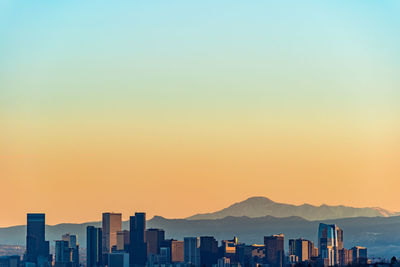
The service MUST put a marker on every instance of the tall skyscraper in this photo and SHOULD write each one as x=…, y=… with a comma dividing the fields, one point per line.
x=208, y=251
x=192, y=251
x=330, y=240
x=138, y=246
x=154, y=239
x=73, y=245
x=37, y=248
x=275, y=252
x=94, y=244
x=112, y=223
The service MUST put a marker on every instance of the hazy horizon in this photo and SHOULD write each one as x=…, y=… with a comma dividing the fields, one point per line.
x=177, y=108
x=125, y=217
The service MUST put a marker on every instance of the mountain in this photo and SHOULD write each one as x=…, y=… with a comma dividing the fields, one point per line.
x=261, y=206
x=380, y=234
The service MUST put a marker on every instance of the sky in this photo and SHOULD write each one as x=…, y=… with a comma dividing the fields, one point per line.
x=182, y=107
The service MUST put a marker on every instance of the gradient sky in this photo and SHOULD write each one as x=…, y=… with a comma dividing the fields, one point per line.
x=179, y=107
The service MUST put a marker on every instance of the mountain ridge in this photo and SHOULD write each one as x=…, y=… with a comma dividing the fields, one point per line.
x=260, y=206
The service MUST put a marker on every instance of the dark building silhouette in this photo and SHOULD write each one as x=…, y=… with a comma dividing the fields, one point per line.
x=37, y=248
x=73, y=245
x=63, y=257
x=138, y=246
x=192, y=251
x=274, y=247
x=10, y=261
x=154, y=239
x=208, y=251
x=94, y=249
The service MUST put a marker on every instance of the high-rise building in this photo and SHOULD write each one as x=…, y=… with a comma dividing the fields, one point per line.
x=73, y=245
x=177, y=251
x=123, y=240
x=345, y=257
x=275, y=253
x=154, y=239
x=360, y=255
x=301, y=249
x=94, y=250
x=208, y=251
x=330, y=241
x=138, y=246
x=63, y=257
x=192, y=251
x=111, y=224
x=37, y=248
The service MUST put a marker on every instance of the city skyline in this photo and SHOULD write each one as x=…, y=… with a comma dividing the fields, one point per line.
x=148, y=247
x=154, y=103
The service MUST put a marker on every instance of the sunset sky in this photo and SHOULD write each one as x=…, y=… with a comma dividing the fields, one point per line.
x=180, y=107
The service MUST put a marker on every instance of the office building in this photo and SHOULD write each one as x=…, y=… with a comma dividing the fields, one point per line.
x=301, y=250
x=37, y=248
x=330, y=239
x=177, y=251
x=73, y=245
x=138, y=246
x=63, y=257
x=123, y=240
x=208, y=251
x=111, y=224
x=274, y=246
x=192, y=251
x=154, y=239
x=94, y=250
x=360, y=255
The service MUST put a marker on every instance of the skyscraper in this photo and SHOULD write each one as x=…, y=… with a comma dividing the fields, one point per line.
x=330, y=239
x=302, y=249
x=177, y=251
x=94, y=256
x=73, y=245
x=112, y=223
x=360, y=255
x=154, y=239
x=192, y=251
x=63, y=257
x=138, y=246
x=274, y=246
x=208, y=251
x=37, y=248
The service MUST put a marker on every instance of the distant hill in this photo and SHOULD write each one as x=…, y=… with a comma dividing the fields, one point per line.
x=380, y=234
x=261, y=206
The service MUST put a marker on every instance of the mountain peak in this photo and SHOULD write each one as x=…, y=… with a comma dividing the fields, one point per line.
x=260, y=206
x=257, y=200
